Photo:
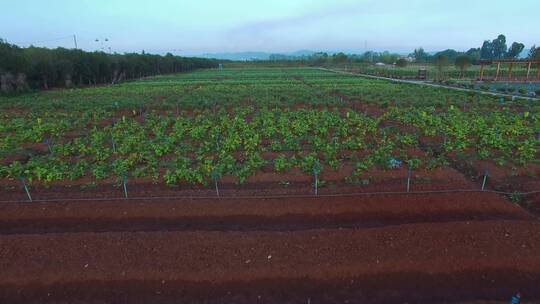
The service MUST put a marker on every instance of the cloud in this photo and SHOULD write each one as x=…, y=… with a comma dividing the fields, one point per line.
x=264, y=28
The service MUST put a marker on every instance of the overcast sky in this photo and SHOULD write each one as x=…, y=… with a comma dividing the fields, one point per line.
x=203, y=26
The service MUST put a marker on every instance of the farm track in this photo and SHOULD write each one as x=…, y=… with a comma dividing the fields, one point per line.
x=391, y=249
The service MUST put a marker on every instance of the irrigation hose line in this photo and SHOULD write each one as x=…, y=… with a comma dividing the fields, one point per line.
x=263, y=197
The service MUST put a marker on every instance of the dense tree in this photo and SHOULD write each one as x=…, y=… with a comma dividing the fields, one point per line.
x=42, y=68
x=515, y=50
x=486, y=52
x=368, y=56
x=462, y=63
x=499, y=47
x=474, y=54
x=402, y=62
x=534, y=53
x=319, y=58
x=388, y=57
x=450, y=54
x=11, y=58
x=420, y=55
x=339, y=58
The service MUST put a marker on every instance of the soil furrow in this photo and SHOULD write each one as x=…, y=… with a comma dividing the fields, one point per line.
x=417, y=262
x=291, y=214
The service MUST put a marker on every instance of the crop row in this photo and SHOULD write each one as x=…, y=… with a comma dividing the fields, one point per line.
x=198, y=148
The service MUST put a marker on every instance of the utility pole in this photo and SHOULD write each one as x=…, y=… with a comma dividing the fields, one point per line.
x=75, y=41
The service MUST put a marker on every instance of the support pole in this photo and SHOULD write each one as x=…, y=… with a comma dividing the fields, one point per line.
x=538, y=70
x=125, y=186
x=26, y=189
x=529, y=70
x=113, y=144
x=409, y=174
x=486, y=174
x=48, y=143
x=482, y=71
x=316, y=185
x=498, y=70
x=510, y=71
x=217, y=188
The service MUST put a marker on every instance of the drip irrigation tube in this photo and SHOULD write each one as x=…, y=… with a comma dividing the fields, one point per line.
x=262, y=197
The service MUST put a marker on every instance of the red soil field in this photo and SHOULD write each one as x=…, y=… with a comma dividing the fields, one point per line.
x=427, y=248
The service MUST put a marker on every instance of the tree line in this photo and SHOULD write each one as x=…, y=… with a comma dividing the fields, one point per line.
x=323, y=58
x=42, y=68
x=490, y=49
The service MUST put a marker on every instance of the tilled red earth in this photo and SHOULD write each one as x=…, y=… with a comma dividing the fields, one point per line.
x=369, y=249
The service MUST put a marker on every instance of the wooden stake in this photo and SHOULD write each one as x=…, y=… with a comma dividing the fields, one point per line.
x=529, y=70
x=481, y=71
x=498, y=70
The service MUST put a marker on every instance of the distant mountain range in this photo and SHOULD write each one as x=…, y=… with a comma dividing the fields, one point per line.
x=247, y=56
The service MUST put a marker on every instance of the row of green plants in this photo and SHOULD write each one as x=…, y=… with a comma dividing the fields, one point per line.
x=383, y=94
x=201, y=147
x=503, y=136
x=235, y=87
x=201, y=126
